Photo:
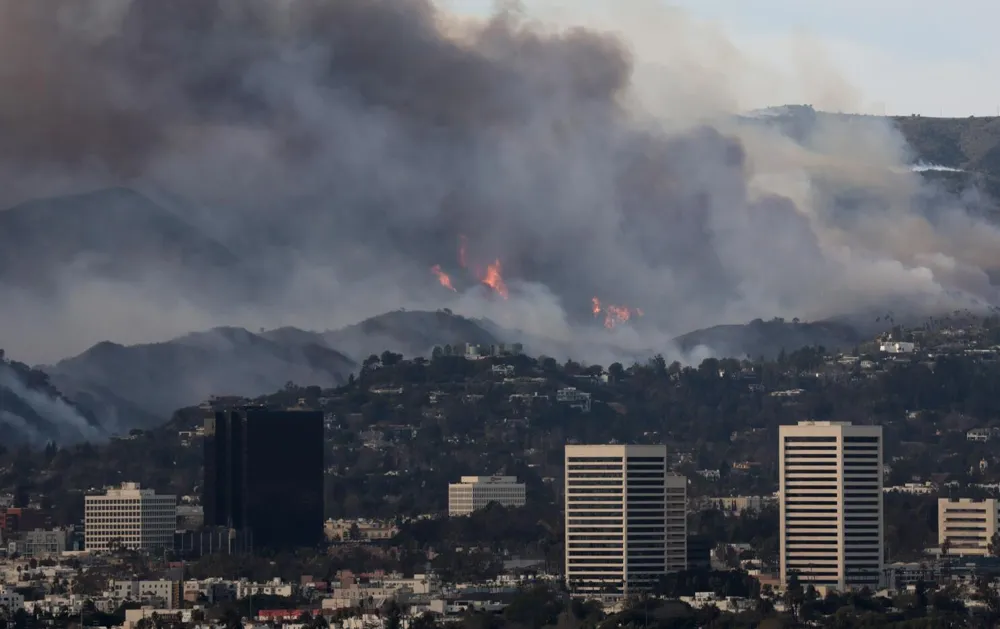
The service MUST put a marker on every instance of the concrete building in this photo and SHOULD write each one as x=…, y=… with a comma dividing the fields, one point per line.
x=10, y=599
x=190, y=517
x=42, y=542
x=130, y=517
x=16, y=519
x=735, y=505
x=475, y=492
x=831, y=514
x=676, y=504
x=574, y=398
x=360, y=530
x=623, y=529
x=897, y=347
x=967, y=525
x=163, y=593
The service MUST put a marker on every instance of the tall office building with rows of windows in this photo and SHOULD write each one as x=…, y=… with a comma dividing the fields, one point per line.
x=831, y=504
x=621, y=532
x=129, y=517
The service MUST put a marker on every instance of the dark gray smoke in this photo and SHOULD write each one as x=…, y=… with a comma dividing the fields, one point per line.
x=343, y=147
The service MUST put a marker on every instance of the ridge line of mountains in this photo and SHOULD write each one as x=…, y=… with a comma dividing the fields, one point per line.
x=112, y=388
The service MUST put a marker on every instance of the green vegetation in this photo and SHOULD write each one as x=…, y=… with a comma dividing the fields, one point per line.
x=401, y=430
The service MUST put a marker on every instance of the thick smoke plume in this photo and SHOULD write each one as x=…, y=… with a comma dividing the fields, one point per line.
x=65, y=422
x=343, y=148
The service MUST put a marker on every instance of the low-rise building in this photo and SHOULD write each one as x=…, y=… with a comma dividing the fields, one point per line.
x=361, y=530
x=476, y=492
x=161, y=593
x=274, y=587
x=979, y=434
x=574, y=398
x=736, y=505
x=897, y=347
x=190, y=517
x=10, y=599
x=966, y=526
x=42, y=542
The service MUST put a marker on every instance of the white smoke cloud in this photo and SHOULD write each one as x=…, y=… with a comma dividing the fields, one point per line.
x=69, y=424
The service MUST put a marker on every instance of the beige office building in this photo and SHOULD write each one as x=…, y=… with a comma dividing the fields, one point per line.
x=130, y=517
x=831, y=515
x=476, y=492
x=625, y=519
x=967, y=525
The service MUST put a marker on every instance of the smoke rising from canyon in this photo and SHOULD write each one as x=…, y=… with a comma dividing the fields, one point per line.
x=342, y=149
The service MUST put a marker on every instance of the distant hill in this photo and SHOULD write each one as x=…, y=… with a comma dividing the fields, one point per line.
x=970, y=146
x=113, y=233
x=141, y=385
x=768, y=338
x=409, y=332
x=33, y=411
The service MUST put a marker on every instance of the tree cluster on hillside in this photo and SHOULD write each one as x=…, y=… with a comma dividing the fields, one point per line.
x=402, y=429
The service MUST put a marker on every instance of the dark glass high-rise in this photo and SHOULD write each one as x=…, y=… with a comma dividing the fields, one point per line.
x=264, y=474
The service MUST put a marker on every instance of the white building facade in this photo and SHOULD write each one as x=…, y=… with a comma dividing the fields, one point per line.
x=130, y=517
x=624, y=515
x=966, y=526
x=831, y=514
x=476, y=492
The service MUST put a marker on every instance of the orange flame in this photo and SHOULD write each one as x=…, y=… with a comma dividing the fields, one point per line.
x=442, y=277
x=614, y=315
x=494, y=279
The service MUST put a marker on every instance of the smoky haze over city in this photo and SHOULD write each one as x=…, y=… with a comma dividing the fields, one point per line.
x=320, y=161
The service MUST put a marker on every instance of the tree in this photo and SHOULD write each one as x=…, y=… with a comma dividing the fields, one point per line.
x=393, y=615
x=354, y=533
x=616, y=372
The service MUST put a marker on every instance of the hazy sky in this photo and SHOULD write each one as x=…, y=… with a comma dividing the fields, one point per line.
x=902, y=56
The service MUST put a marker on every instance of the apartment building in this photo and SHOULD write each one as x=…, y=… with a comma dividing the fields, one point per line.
x=164, y=593
x=624, y=518
x=831, y=514
x=966, y=526
x=42, y=542
x=129, y=517
x=476, y=492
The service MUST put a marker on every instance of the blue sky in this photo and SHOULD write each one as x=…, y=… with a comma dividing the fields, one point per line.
x=901, y=56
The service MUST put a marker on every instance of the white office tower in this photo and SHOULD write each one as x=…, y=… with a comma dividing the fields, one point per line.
x=621, y=532
x=831, y=504
x=476, y=492
x=967, y=525
x=130, y=517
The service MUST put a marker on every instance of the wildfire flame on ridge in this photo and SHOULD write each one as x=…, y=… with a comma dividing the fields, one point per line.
x=613, y=315
x=443, y=277
x=494, y=278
